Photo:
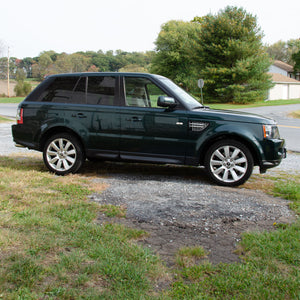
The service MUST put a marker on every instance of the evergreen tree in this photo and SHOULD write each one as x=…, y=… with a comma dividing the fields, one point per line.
x=231, y=57
x=296, y=58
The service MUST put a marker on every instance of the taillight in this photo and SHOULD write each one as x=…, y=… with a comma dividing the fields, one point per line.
x=20, y=116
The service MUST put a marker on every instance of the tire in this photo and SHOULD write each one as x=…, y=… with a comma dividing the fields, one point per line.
x=63, y=154
x=229, y=163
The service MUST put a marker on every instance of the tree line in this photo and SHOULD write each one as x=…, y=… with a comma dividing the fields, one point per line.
x=224, y=49
x=50, y=62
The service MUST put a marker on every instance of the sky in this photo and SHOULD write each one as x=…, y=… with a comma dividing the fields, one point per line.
x=29, y=27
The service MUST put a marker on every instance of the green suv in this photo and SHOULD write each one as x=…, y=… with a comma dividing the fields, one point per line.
x=141, y=118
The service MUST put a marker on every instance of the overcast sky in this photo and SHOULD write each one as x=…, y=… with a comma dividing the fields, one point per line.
x=29, y=27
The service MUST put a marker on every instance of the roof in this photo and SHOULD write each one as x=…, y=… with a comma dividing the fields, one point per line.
x=284, y=66
x=276, y=77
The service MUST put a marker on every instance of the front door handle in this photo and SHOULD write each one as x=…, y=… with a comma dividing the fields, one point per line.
x=79, y=115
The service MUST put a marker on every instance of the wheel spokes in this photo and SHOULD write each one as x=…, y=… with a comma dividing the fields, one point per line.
x=61, y=154
x=228, y=163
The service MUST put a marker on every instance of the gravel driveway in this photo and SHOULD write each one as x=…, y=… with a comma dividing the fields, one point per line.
x=182, y=208
x=178, y=206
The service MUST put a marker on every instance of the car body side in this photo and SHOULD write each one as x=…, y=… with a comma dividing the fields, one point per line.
x=133, y=133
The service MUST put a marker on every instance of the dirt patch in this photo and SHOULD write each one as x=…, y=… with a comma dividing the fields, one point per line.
x=178, y=207
x=3, y=88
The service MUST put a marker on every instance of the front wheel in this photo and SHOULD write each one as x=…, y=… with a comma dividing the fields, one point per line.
x=229, y=163
x=63, y=154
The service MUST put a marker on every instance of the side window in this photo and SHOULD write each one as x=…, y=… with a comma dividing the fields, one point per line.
x=141, y=92
x=60, y=90
x=79, y=95
x=101, y=90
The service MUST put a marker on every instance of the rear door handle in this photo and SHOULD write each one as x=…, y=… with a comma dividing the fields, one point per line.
x=134, y=119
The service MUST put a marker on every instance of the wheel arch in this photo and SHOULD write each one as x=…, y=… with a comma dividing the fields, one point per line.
x=252, y=148
x=59, y=129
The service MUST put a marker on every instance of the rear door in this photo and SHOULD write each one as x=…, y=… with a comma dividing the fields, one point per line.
x=103, y=98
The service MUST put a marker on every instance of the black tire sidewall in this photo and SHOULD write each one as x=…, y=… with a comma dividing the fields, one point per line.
x=237, y=144
x=78, y=148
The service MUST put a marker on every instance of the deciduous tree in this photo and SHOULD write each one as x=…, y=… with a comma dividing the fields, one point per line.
x=175, y=52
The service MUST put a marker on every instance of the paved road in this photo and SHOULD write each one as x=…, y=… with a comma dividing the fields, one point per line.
x=8, y=110
x=289, y=128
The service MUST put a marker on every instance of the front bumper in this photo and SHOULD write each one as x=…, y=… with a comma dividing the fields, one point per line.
x=275, y=152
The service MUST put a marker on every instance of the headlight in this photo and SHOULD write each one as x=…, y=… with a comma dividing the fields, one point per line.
x=271, y=132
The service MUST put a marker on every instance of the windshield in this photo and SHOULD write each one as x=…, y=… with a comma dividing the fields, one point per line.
x=186, y=99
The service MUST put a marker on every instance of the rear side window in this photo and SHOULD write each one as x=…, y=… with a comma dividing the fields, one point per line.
x=101, y=90
x=96, y=90
x=60, y=90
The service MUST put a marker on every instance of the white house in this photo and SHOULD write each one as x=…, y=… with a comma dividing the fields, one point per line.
x=285, y=69
x=285, y=87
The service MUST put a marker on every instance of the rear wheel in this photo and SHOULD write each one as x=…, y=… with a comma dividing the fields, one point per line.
x=229, y=163
x=63, y=154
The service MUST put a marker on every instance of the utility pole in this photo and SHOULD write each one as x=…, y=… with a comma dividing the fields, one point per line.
x=8, y=95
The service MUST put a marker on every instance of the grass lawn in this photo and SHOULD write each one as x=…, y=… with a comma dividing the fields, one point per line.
x=256, y=104
x=5, y=120
x=11, y=100
x=53, y=248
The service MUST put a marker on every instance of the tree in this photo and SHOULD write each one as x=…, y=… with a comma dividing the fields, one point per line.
x=284, y=50
x=26, y=64
x=42, y=67
x=296, y=59
x=278, y=51
x=231, y=57
x=175, y=54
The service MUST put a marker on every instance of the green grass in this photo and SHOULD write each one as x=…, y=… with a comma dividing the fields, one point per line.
x=11, y=100
x=290, y=190
x=256, y=104
x=5, y=120
x=52, y=246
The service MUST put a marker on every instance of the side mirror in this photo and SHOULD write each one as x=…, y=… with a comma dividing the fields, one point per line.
x=164, y=101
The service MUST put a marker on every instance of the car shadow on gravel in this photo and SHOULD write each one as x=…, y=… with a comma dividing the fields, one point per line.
x=178, y=206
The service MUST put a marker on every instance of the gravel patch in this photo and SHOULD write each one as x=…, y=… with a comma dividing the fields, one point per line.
x=184, y=209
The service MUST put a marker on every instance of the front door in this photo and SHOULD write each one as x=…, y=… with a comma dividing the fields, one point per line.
x=148, y=132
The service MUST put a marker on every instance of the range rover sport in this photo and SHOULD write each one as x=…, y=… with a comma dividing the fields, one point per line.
x=142, y=118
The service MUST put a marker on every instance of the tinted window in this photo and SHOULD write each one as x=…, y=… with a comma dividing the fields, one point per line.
x=59, y=90
x=79, y=95
x=101, y=90
x=141, y=92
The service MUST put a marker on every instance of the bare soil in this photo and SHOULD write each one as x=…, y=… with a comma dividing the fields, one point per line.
x=178, y=206
x=3, y=88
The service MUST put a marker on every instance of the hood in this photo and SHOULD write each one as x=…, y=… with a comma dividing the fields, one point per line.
x=232, y=115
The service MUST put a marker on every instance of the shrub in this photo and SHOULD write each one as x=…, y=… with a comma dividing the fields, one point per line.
x=22, y=88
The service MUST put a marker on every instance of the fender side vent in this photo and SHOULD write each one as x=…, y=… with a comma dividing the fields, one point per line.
x=197, y=126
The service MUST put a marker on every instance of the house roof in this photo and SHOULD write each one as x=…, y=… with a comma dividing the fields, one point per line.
x=276, y=77
x=282, y=65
